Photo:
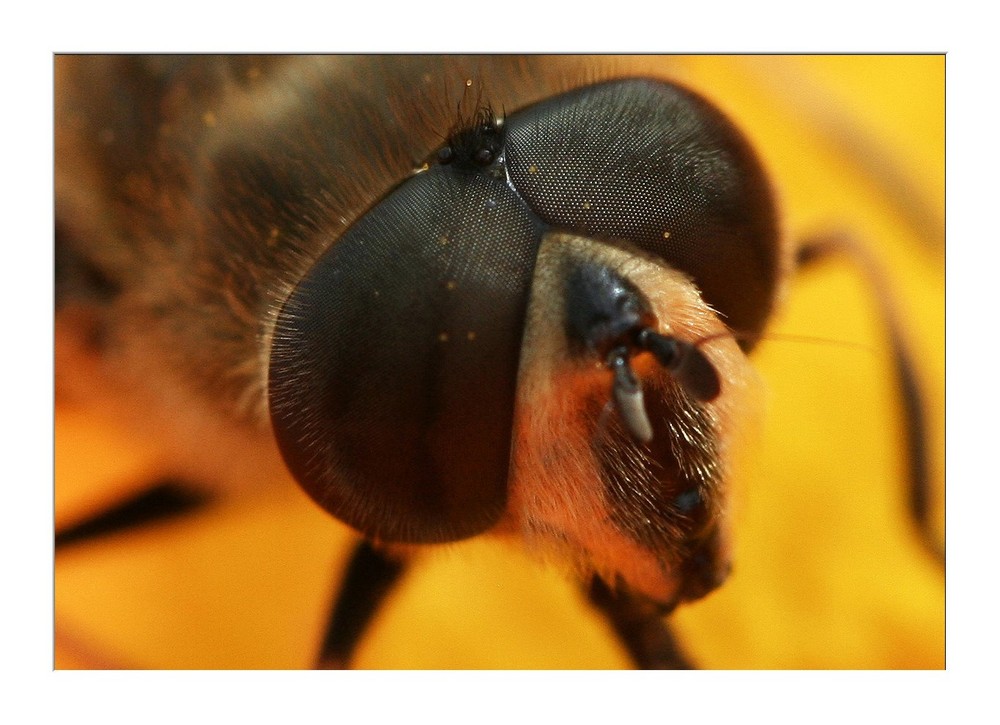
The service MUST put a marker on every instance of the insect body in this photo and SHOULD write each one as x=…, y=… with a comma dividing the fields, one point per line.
x=531, y=325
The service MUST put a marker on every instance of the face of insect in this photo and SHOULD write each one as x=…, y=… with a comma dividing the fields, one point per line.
x=637, y=494
x=517, y=322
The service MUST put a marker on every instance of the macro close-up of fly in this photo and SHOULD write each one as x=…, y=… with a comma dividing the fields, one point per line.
x=499, y=362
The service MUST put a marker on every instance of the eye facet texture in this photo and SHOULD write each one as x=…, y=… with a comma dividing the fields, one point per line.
x=394, y=362
x=657, y=166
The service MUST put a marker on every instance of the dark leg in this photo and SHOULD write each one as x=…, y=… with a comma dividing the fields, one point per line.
x=369, y=579
x=641, y=627
x=163, y=501
x=919, y=483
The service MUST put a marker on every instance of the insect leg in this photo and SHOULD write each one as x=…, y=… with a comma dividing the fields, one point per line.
x=641, y=627
x=818, y=248
x=163, y=501
x=370, y=577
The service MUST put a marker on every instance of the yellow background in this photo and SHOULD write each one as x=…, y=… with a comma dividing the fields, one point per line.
x=827, y=572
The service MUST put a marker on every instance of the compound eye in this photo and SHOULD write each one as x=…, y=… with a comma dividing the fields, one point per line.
x=394, y=361
x=658, y=166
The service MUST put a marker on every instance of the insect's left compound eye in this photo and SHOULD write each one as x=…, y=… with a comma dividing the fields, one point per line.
x=470, y=332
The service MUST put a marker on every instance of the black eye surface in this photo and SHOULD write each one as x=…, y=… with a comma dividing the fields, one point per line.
x=394, y=362
x=658, y=166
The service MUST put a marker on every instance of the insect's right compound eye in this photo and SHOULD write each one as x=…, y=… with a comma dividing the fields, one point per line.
x=394, y=361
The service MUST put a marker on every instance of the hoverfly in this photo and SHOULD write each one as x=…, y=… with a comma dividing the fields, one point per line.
x=488, y=298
